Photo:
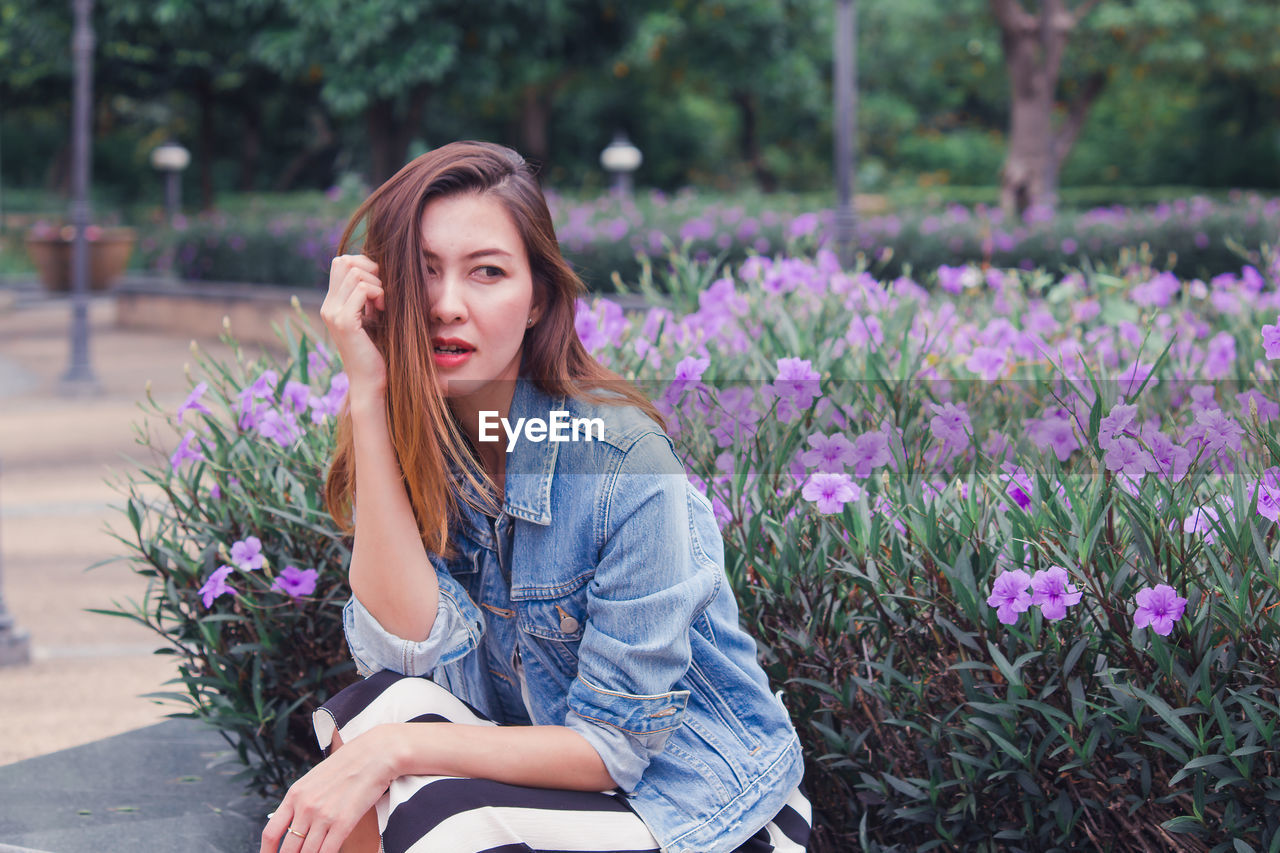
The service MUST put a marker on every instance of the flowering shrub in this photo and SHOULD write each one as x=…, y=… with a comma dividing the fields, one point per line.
x=607, y=234
x=1008, y=543
x=246, y=569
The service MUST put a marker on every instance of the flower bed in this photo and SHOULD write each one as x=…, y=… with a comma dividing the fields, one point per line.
x=1191, y=237
x=1008, y=542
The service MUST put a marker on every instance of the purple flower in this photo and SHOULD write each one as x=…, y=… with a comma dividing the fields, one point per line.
x=987, y=362
x=296, y=582
x=192, y=403
x=216, y=585
x=1052, y=593
x=1202, y=520
x=1266, y=408
x=295, y=395
x=1159, y=607
x=247, y=554
x=830, y=491
x=1009, y=595
x=1271, y=340
x=870, y=450
x=280, y=426
x=185, y=451
x=1055, y=433
x=264, y=385
x=796, y=386
x=1172, y=460
x=1218, y=431
x=318, y=359
x=1127, y=456
x=691, y=368
x=1115, y=424
x=331, y=402
x=950, y=424
x=830, y=453
x=738, y=417
x=215, y=492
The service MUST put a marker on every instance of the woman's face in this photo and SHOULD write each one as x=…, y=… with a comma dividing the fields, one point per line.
x=481, y=294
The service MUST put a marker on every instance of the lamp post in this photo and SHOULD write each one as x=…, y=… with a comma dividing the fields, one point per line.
x=171, y=158
x=15, y=649
x=620, y=159
x=79, y=378
x=846, y=94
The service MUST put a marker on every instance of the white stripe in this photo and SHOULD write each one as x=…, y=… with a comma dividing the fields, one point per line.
x=401, y=701
x=490, y=826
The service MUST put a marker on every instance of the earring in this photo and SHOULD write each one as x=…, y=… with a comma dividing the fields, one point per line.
x=530, y=323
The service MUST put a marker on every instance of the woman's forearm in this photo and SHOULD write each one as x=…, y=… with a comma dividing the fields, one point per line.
x=390, y=572
x=535, y=756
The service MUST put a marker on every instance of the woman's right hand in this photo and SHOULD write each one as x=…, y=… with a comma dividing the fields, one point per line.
x=355, y=294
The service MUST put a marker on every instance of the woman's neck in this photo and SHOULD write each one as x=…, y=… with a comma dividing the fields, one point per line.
x=492, y=451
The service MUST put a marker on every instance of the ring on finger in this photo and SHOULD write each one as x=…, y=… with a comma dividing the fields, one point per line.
x=293, y=831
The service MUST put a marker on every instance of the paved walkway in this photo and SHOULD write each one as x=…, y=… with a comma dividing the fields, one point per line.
x=88, y=672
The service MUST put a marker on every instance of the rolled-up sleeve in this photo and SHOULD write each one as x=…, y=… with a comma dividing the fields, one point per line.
x=653, y=578
x=455, y=632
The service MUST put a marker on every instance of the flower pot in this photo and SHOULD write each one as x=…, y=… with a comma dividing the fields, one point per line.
x=109, y=250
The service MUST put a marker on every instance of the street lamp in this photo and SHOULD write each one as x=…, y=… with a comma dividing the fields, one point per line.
x=846, y=97
x=171, y=158
x=620, y=159
x=79, y=378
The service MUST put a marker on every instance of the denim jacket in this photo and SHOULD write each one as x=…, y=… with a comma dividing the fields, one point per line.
x=626, y=627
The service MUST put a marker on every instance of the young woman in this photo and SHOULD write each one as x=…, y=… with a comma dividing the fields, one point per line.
x=551, y=650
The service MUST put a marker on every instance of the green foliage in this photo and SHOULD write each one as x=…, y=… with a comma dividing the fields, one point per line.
x=256, y=663
x=927, y=723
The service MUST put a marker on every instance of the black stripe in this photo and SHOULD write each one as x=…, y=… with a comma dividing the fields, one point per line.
x=350, y=701
x=793, y=825
x=430, y=718
x=437, y=801
x=507, y=848
x=758, y=843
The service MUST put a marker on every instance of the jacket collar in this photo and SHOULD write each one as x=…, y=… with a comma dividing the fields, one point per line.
x=530, y=468
x=531, y=465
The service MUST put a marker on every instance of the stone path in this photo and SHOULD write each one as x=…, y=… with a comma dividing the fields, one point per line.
x=88, y=672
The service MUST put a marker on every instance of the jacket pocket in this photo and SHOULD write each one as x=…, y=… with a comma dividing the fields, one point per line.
x=556, y=617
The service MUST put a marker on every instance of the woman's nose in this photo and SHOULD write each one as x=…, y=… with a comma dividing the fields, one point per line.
x=448, y=304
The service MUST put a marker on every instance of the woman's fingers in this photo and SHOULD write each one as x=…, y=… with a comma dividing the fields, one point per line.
x=276, y=829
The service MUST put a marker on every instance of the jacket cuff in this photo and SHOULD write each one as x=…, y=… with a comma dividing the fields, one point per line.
x=626, y=730
x=455, y=632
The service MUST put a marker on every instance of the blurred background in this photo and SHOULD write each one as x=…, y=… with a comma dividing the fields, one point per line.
x=301, y=106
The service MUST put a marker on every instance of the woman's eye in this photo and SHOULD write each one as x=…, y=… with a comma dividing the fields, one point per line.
x=490, y=272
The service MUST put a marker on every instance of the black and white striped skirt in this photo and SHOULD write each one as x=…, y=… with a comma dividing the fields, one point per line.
x=446, y=814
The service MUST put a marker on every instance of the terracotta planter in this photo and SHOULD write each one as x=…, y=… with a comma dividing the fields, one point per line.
x=109, y=250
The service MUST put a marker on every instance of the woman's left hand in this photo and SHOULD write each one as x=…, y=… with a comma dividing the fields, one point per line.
x=324, y=806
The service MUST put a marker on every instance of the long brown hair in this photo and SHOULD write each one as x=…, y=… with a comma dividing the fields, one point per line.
x=427, y=440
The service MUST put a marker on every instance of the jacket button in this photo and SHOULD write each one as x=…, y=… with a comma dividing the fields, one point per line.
x=568, y=625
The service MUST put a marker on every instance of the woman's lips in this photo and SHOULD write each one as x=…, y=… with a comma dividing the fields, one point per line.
x=451, y=352
x=451, y=359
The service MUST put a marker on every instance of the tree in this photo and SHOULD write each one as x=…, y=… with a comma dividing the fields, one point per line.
x=1033, y=48
x=765, y=57
x=1187, y=37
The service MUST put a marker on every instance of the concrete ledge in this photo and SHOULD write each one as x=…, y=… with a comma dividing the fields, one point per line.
x=197, y=309
x=167, y=788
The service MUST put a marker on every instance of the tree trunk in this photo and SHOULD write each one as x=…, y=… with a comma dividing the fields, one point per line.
x=749, y=141
x=391, y=130
x=1033, y=48
x=322, y=138
x=250, y=146
x=535, y=117
x=204, y=94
